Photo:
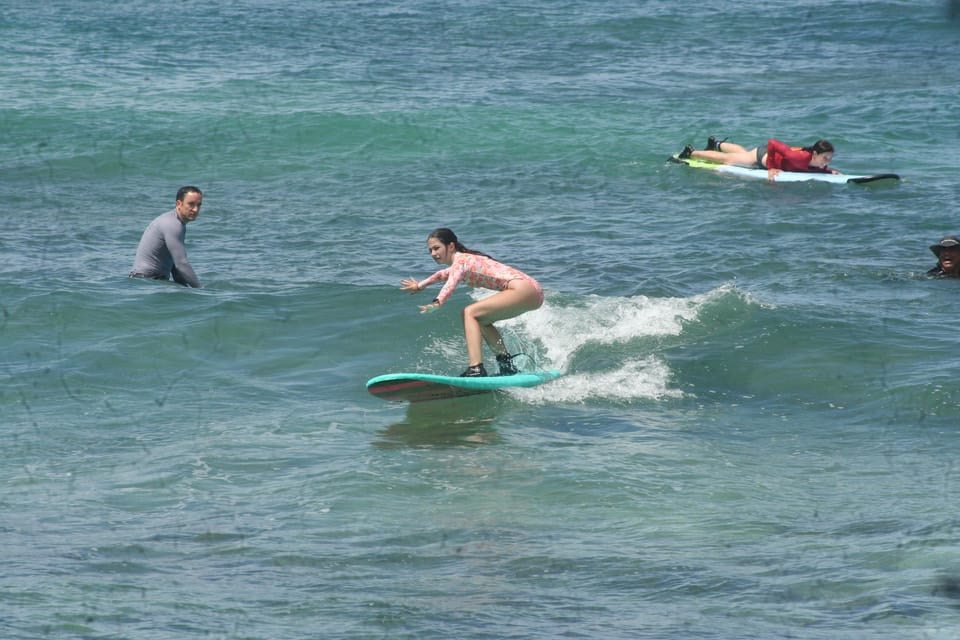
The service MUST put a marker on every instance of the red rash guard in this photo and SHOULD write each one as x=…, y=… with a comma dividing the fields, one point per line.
x=786, y=158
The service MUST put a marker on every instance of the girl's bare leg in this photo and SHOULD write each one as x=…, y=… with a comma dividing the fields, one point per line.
x=491, y=335
x=742, y=158
x=730, y=147
x=478, y=318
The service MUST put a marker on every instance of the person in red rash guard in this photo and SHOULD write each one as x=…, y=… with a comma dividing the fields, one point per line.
x=775, y=157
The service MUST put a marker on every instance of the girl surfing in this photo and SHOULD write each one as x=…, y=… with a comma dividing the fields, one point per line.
x=775, y=157
x=517, y=293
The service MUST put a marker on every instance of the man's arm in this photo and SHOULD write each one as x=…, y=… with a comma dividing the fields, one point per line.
x=181, y=272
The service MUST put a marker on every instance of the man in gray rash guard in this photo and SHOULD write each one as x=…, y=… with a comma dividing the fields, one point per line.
x=161, y=253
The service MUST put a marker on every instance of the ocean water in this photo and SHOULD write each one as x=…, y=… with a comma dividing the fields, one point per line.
x=756, y=434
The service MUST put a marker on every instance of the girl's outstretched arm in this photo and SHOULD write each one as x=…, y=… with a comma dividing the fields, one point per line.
x=429, y=308
x=410, y=284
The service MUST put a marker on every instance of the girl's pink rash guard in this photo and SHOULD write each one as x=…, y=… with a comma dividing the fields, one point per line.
x=476, y=271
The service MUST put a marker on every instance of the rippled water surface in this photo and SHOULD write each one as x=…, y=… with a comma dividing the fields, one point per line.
x=756, y=432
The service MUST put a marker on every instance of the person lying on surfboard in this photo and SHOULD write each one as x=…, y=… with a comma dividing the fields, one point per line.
x=517, y=293
x=775, y=157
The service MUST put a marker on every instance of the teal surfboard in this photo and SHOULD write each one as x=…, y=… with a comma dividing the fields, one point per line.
x=784, y=176
x=419, y=387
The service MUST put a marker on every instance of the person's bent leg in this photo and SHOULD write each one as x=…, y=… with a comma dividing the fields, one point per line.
x=474, y=337
x=491, y=335
x=478, y=318
x=740, y=158
x=730, y=147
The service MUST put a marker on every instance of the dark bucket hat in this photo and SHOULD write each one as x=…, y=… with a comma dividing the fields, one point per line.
x=946, y=242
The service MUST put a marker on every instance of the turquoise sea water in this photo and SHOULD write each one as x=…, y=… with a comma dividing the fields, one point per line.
x=757, y=432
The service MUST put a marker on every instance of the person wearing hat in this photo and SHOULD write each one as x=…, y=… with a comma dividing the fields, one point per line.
x=948, y=257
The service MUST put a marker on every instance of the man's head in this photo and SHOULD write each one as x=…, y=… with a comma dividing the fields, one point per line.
x=948, y=254
x=189, y=200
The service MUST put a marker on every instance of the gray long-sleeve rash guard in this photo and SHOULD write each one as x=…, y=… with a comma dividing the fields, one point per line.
x=162, y=253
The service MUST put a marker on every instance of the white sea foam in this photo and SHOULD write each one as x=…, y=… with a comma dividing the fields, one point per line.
x=556, y=334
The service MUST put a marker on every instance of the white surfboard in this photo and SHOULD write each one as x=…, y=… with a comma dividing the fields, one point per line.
x=784, y=176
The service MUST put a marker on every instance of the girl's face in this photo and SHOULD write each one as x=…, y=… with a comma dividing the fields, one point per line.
x=821, y=159
x=441, y=253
